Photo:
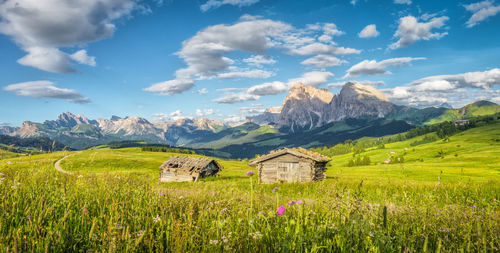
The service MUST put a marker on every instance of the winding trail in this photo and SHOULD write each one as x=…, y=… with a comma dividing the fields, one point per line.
x=57, y=165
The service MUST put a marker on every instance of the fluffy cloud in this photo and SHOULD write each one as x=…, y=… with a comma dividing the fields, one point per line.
x=259, y=60
x=173, y=116
x=484, y=80
x=41, y=28
x=46, y=89
x=320, y=48
x=402, y=2
x=82, y=58
x=323, y=61
x=271, y=88
x=364, y=82
x=481, y=11
x=369, y=31
x=231, y=98
x=257, y=73
x=214, y=4
x=454, y=89
x=204, y=112
x=313, y=78
x=202, y=91
x=252, y=110
x=205, y=53
x=171, y=87
x=373, y=67
x=411, y=30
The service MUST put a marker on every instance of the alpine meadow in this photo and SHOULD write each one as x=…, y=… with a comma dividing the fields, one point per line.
x=249, y=126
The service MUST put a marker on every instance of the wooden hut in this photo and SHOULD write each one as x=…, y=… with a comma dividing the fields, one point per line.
x=290, y=165
x=188, y=168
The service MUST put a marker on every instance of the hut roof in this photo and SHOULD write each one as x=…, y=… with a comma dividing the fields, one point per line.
x=300, y=152
x=188, y=163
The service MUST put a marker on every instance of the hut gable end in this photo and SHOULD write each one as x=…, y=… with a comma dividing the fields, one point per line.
x=290, y=165
x=188, y=168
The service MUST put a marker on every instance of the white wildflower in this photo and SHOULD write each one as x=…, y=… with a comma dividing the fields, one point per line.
x=157, y=219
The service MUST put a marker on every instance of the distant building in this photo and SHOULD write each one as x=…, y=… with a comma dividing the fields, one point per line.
x=188, y=168
x=461, y=122
x=290, y=165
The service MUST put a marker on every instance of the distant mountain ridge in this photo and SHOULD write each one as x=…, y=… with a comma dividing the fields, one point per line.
x=304, y=112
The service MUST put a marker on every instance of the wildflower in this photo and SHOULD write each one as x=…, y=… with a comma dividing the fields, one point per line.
x=250, y=173
x=9, y=162
x=434, y=207
x=213, y=193
x=140, y=233
x=494, y=200
x=276, y=189
x=473, y=206
x=299, y=202
x=157, y=219
x=281, y=210
x=158, y=183
x=161, y=194
x=214, y=242
x=291, y=202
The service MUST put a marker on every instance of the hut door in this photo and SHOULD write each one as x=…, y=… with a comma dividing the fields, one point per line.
x=288, y=172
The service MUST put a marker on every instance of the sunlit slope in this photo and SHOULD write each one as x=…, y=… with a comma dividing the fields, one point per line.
x=470, y=155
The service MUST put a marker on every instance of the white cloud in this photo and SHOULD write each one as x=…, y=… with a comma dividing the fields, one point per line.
x=171, y=87
x=257, y=73
x=202, y=91
x=48, y=59
x=271, y=88
x=259, y=60
x=320, y=48
x=204, y=112
x=402, y=2
x=41, y=28
x=484, y=80
x=234, y=119
x=173, y=116
x=323, y=61
x=82, y=57
x=411, y=30
x=372, y=67
x=252, y=110
x=313, y=78
x=457, y=90
x=205, y=53
x=364, y=82
x=331, y=29
x=214, y=4
x=231, y=98
x=46, y=89
x=369, y=31
x=325, y=38
x=481, y=11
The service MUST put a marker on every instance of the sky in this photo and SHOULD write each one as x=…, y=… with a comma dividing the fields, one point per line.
x=228, y=59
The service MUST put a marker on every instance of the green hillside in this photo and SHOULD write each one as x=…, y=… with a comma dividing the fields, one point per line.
x=479, y=108
x=470, y=155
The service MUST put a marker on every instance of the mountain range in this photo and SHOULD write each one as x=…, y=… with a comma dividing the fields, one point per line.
x=308, y=117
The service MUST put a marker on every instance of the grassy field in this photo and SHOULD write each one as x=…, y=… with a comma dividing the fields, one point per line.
x=443, y=198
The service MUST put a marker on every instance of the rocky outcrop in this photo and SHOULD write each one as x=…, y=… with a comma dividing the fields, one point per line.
x=307, y=107
x=304, y=108
x=270, y=116
x=356, y=100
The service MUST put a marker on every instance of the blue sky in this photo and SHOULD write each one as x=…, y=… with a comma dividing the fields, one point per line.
x=227, y=59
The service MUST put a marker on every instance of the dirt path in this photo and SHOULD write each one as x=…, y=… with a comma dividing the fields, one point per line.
x=57, y=165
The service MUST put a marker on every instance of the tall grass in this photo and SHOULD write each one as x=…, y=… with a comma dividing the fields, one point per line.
x=43, y=210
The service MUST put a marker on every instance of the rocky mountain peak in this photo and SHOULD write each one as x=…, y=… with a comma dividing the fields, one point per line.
x=356, y=91
x=300, y=91
x=70, y=120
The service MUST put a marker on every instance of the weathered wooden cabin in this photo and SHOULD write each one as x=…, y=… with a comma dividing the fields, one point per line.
x=188, y=168
x=290, y=165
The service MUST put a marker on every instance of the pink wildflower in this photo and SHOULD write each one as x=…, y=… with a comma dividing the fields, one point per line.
x=473, y=206
x=250, y=173
x=158, y=183
x=299, y=202
x=291, y=202
x=281, y=210
x=494, y=200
